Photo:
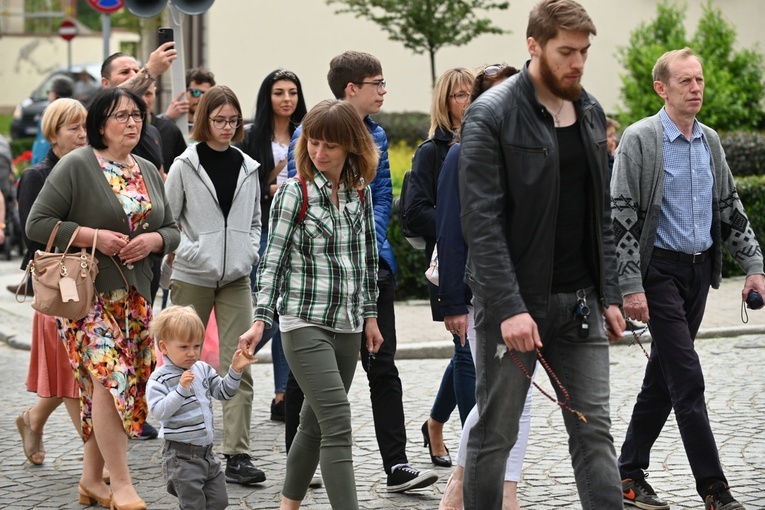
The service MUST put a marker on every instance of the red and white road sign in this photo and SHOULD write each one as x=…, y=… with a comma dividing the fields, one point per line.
x=67, y=30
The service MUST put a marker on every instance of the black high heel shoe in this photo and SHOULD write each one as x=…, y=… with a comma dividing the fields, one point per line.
x=444, y=461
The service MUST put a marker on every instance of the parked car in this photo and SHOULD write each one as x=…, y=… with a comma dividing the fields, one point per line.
x=28, y=111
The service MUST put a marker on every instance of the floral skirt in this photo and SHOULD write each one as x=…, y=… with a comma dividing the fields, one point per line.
x=99, y=347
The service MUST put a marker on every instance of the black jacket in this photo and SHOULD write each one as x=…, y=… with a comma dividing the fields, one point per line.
x=509, y=186
x=423, y=184
x=30, y=184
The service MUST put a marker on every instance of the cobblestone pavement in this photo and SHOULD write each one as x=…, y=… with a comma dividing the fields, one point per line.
x=734, y=369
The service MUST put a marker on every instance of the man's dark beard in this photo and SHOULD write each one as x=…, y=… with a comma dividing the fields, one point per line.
x=570, y=93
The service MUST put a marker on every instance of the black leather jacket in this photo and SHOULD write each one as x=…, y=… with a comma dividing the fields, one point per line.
x=509, y=186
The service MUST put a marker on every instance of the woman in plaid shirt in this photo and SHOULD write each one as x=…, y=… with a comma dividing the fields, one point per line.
x=321, y=262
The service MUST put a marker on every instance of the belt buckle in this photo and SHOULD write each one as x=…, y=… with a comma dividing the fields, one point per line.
x=695, y=255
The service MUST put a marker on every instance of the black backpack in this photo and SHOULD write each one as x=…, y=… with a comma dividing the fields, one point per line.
x=403, y=203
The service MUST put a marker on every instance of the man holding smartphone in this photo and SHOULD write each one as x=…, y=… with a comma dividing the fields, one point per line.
x=198, y=81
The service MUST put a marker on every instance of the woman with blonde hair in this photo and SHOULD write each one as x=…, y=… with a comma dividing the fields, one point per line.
x=321, y=259
x=450, y=99
x=50, y=373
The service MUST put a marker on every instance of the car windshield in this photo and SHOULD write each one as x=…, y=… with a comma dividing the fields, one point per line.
x=41, y=92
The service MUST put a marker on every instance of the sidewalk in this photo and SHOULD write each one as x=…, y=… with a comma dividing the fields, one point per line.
x=418, y=336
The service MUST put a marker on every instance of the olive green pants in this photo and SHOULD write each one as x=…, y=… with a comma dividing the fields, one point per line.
x=233, y=313
x=323, y=363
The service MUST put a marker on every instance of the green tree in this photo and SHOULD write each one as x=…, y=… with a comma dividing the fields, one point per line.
x=426, y=26
x=734, y=79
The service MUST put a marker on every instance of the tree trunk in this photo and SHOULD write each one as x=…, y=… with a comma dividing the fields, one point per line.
x=432, y=67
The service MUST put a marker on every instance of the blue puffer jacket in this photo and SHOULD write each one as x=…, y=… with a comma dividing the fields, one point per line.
x=381, y=188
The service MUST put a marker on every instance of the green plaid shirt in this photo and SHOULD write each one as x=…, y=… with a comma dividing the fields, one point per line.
x=323, y=270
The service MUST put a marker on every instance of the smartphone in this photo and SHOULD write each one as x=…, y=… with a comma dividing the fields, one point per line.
x=165, y=34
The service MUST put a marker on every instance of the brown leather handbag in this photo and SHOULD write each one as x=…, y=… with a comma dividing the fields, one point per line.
x=63, y=283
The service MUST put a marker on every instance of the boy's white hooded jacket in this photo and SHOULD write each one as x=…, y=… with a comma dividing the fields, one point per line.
x=214, y=250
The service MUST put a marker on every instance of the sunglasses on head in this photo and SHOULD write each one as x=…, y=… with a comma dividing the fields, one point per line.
x=195, y=93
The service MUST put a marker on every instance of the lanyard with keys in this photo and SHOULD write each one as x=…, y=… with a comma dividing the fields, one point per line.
x=582, y=313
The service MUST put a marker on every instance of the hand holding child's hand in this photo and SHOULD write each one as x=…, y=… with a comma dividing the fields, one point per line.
x=187, y=378
x=240, y=360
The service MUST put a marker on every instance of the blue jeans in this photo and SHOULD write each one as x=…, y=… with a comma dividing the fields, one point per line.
x=457, y=385
x=582, y=365
x=281, y=368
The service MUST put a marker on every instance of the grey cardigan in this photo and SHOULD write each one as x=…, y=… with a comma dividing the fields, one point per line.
x=637, y=188
x=78, y=193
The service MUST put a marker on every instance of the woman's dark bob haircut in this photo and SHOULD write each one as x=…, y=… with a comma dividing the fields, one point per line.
x=103, y=106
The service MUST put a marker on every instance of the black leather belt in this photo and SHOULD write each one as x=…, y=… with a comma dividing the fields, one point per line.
x=677, y=256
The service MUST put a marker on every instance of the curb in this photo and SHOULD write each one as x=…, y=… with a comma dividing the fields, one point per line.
x=437, y=350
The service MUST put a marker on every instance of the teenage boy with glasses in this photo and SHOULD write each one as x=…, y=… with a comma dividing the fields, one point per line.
x=357, y=77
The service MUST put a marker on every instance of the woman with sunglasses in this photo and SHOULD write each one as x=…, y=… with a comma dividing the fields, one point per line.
x=214, y=192
x=455, y=297
x=279, y=110
x=450, y=98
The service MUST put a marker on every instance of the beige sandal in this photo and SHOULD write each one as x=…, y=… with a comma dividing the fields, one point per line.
x=31, y=440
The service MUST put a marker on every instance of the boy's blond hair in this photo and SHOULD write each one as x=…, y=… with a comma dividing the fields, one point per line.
x=177, y=322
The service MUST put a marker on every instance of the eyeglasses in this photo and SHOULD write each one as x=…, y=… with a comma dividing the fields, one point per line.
x=196, y=93
x=493, y=70
x=380, y=84
x=460, y=97
x=221, y=123
x=123, y=117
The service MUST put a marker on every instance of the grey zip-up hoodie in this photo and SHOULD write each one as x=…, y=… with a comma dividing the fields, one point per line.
x=213, y=250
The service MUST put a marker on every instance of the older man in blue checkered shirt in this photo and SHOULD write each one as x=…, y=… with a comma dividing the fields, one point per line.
x=674, y=205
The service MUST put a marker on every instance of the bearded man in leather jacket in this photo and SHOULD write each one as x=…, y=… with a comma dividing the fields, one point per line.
x=541, y=261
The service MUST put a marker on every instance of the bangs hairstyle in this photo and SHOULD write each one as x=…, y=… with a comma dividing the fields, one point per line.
x=213, y=99
x=351, y=67
x=483, y=82
x=449, y=82
x=336, y=121
x=550, y=16
x=661, y=69
x=103, y=105
x=61, y=112
x=177, y=323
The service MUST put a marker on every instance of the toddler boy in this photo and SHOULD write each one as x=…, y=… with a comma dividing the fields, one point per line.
x=179, y=394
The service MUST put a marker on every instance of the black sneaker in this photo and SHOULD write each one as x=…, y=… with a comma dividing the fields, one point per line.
x=405, y=478
x=239, y=469
x=639, y=493
x=719, y=498
x=277, y=410
x=147, y=432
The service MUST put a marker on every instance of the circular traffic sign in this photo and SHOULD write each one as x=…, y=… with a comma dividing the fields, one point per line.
x=67, y=30
x=106, y=6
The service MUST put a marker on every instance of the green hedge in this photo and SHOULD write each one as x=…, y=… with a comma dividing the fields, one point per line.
x=412, y=264
x=408, y=127
x=21, y=145
x=745, y=152
x=410, y=279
